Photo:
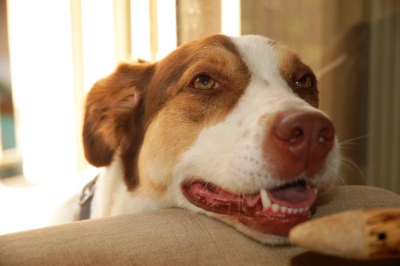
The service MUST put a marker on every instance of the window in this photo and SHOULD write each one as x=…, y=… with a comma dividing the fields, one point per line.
x=10, y=159
x=60, y=48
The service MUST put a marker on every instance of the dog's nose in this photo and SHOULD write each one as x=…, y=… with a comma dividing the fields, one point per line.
x=299, y=142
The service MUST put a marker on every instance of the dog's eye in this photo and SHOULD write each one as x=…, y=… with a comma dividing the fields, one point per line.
x=205, y=82
x=304, y=83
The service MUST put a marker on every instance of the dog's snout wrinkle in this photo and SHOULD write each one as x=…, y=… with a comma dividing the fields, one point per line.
x=299, y=142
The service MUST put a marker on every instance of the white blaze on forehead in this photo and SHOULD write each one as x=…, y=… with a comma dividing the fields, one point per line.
x=267, y=92
x=260, y=57
x=229, y=153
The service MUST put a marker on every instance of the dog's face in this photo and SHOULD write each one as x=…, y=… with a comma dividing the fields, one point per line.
x=223, y=126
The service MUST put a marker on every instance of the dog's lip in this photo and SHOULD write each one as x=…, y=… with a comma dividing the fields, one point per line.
x=270, y=212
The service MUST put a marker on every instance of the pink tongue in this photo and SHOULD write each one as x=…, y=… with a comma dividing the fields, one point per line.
x=293, y=196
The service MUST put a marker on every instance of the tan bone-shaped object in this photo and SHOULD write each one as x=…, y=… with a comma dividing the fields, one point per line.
x=356, y=234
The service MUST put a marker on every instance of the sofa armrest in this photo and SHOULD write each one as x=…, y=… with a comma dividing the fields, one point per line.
x=176, y=237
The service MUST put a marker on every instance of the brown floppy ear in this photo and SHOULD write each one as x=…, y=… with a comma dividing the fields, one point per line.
x=113, y=112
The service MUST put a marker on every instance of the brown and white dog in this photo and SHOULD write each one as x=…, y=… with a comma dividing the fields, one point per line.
x=225, y=126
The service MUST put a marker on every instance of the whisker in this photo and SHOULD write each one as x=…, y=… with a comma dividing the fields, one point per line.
x=241, y=194
x=149, y=201
x=353, y=139
x=230, y=205
x=127, y=201
x=347, y=147
x=328, y=112
x=197, y=200
x=311, y=51
x=342, y=179
x=348, y=162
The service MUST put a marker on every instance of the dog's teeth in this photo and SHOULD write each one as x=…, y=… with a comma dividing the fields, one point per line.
x=266, y=202
x=275, y=207
x=316, y=190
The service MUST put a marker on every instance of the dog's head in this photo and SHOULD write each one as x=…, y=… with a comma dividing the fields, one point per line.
x=223, y=126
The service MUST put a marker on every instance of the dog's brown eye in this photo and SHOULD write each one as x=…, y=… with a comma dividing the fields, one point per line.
x=205, y=82
x=304, y=83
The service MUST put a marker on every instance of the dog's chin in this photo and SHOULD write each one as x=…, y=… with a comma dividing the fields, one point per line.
x=266, y=216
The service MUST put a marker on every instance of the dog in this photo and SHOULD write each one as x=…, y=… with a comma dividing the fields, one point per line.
x=223, y=126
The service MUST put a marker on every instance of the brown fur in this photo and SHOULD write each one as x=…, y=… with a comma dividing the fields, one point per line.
x=113, y=114
x=157, y=99
x=292, y=69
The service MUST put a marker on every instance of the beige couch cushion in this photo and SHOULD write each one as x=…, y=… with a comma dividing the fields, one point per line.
x=176, y=237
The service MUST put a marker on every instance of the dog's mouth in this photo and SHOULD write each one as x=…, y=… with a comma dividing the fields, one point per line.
x=273, y=211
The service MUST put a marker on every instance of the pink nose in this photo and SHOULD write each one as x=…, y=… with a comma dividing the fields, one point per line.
x=299, y=142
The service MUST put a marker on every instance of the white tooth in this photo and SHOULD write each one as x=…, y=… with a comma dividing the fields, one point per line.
x=283, y=209
x=307, y=208
x=301, y=210
x=275, y=207
x=264, y=199
x=295, y=210
x=290, y=210
x=316, y=190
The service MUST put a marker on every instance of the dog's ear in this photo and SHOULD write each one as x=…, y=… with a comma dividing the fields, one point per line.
x=113, y=109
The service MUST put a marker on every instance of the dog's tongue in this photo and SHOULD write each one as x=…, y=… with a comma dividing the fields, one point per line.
x=293, y=196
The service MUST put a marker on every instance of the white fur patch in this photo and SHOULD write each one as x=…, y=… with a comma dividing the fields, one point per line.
x=229, y=154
